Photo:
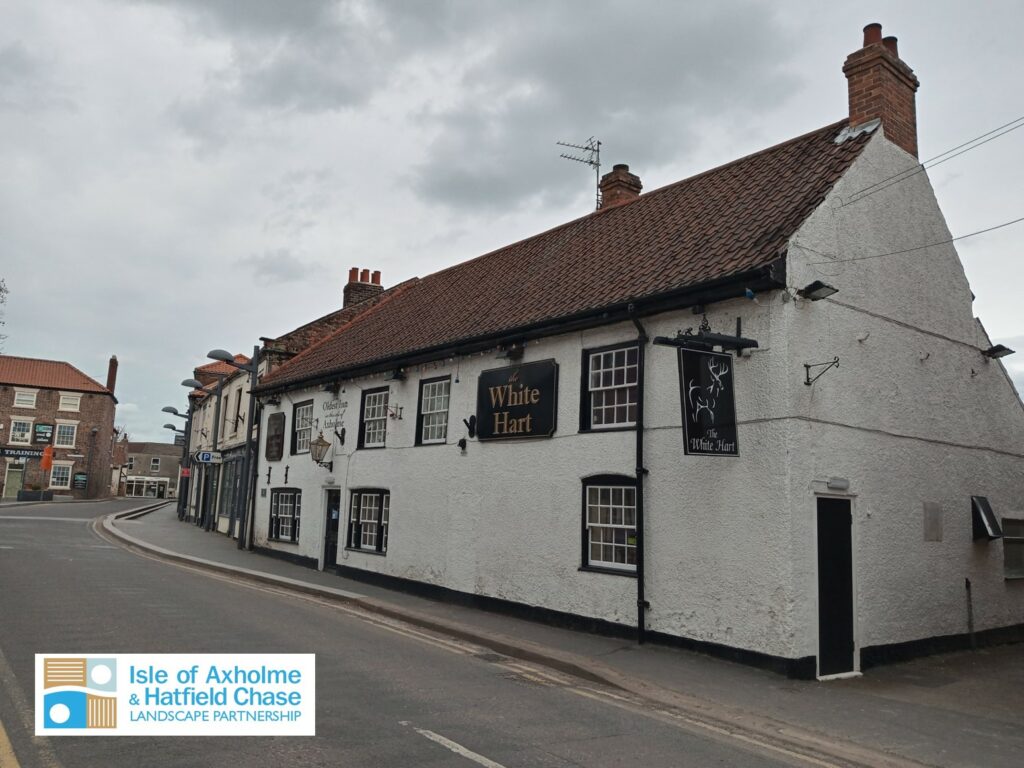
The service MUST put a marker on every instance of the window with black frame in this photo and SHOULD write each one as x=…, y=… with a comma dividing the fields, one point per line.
x=285, y=514
x=609, y=523
x=432, y=416
x=369, y=512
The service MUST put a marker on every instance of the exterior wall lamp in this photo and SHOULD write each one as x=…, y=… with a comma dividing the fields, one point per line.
x=817, y=291
x=999, y=350
x=318, y=450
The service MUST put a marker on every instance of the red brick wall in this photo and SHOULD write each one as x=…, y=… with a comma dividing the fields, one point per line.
x=882, y=86
x=90, y=455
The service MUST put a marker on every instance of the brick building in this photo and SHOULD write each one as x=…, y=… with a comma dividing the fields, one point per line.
x=150, y=470
x=52, y=403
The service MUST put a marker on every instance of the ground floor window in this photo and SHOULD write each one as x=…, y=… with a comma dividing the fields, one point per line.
x=1013, y=548
x=60, y=476
x=145, y=487
x=368, y=520
x=609, y=522
x=285, y=511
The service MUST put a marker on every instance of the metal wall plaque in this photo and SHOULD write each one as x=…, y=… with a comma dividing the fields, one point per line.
x=706, y=388
x=42, y=433
x=275, y=437
x=80, y=481
x=516, y=402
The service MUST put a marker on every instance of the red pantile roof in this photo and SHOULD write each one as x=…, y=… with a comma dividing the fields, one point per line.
x=47, y=374
x=721, y=223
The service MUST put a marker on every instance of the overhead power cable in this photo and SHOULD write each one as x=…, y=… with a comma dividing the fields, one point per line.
x=908, y=250
x=931, y=162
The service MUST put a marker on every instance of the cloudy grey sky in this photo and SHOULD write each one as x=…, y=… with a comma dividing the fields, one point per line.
x=178, y=175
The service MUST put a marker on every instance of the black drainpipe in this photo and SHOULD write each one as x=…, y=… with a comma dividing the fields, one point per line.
x=641, y=472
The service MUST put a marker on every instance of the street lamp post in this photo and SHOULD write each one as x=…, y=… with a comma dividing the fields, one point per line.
x=248, y=460
x=185, y=463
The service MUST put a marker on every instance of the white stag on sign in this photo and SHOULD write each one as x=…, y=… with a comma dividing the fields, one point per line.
x=705, y=398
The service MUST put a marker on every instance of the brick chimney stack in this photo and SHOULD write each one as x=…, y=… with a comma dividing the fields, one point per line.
x=361, y=286
x=112, y=373
x=882, y=86
x=620, y=186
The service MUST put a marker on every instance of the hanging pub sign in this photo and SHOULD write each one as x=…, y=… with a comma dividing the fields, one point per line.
x=518, y=401
x=275, y=437
x=43, y=433
x=709, y=406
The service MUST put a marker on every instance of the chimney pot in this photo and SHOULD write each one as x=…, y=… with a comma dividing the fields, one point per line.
x=872, y=34
x=353, y=275
x=364, y=276
x=375, y=277
x=361, y=286
x=890, y=45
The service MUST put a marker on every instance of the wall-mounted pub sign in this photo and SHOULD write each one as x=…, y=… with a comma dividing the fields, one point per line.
x=518, y=401
x=275, y=437
x=42, y=433
x=80, y=481
x=706, y=388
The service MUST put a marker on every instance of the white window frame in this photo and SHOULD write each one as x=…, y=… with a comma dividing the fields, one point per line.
x=28, y=435
x=373, y=421
x=612, y=384
x=154, y=464
x=607, y=531
x=75, y=396
x=302, y=427
x=69, y=466
x=33, y=393
x=285, y=506
x=56, y=434
x=435, y=400
x=368, y=521
x=1013, y=541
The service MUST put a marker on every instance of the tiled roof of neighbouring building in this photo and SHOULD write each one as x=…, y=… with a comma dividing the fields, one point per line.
x=724, y=222
x=47, y=374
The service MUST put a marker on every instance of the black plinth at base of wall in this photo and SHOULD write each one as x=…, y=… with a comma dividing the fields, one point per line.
x=877, y=655
x=305, y=562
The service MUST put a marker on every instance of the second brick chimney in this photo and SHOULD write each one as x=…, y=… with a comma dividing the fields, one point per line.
x=620, y=186
x=360, y=286
x=112, y=373
x=882, y=86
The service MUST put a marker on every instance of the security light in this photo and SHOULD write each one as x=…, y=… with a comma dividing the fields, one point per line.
x=999, y=350
x=817, y=290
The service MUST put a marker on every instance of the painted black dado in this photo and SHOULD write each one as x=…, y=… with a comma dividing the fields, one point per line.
x=803, y=669
x=291, y=557
x=877, y=655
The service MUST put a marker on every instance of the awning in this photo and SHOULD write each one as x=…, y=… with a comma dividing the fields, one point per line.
x=984, y=524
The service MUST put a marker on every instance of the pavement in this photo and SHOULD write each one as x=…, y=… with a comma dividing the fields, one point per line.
x=959, y=709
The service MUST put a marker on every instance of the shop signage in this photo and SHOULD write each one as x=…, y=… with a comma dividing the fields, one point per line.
x=21, y=453
x=81, y=480
x=43, y=433
x=334, y=414
x=275, y=437
x=706, y=388
x=517, y=402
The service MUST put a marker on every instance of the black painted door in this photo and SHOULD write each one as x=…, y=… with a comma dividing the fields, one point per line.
x=333, y=519
x=835, y=587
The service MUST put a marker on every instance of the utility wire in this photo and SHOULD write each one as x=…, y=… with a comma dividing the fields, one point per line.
x=931, y=162
x=909, y=250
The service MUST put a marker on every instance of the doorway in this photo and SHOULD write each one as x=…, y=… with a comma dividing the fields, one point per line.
x=12, y=481
x=332, y=522
x=835, y=587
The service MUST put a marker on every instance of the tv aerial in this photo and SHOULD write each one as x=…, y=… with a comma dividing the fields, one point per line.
x=591, y=155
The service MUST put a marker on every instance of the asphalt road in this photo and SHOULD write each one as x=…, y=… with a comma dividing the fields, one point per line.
x=387, y=694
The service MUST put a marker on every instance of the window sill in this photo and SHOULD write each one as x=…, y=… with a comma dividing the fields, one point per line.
x=590, y=430
x=612, y=571
x=280, y=541
x=1014, y=578
x=370, y=447
x=432, y=443
x=366, y=551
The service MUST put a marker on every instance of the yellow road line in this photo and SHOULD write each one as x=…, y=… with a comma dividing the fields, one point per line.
x=7, y=757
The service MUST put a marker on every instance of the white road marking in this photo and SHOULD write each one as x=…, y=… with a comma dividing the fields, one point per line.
x=59, y=519
x=9, y=685
x=455, y=747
